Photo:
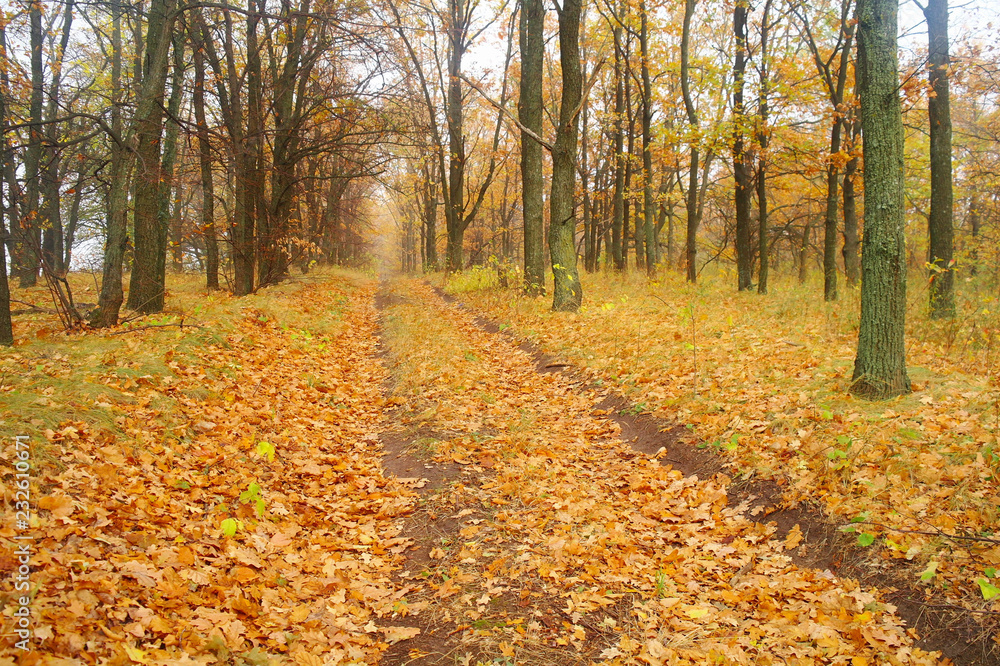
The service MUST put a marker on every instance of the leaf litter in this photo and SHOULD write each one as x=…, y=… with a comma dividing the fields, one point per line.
x=272, y=439
x=764, y=384
x=570, y=547
x=580, y=549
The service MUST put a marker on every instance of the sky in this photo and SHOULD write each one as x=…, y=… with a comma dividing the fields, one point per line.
x=978, y=19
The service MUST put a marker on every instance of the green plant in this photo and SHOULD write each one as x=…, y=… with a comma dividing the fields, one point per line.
x=661, y=584
x=230, y=526
x=838, y=456
x=252, y=495
x=265, y=450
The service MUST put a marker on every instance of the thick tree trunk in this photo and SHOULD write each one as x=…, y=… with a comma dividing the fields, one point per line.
x=567, y=293
x=529, y=112
x=253, y=224
x=454, y=110
x=145, y=289
x=27, y=236
x=880, y=366
x=741, y=157
x=939, y=221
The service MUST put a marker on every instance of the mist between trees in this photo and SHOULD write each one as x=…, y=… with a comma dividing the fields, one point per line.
x=248, y=141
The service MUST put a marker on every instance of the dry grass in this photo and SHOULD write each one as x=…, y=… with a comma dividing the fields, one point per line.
x=51, y=377
x=765, y=380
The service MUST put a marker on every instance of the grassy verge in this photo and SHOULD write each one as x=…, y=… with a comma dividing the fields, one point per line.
x=209, y=493
x=765, y=380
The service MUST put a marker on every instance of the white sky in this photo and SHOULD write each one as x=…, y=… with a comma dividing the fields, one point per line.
x=976, y=19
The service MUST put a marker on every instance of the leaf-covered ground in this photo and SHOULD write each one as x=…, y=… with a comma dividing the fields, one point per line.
x=219, y=496
x=764, y=381
x=269, y=433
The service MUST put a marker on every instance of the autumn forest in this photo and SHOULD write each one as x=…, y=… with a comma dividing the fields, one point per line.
x=506, y=332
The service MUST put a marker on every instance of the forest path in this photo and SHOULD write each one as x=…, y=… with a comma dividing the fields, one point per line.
x=544, y=538
x=307, y=478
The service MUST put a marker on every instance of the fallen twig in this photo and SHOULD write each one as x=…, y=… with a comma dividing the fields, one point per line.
x=32, y=310
x=144, y=328
x=935, y=532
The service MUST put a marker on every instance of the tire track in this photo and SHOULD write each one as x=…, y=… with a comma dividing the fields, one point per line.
x=583, y=548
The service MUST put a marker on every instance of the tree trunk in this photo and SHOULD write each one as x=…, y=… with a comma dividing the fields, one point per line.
x=939, y=221
x=170, y=196
x=457, y=34
x=830, y=217
x=253, y=224
x=649, y=225
x=73, y=222
x=589, y=261
x=618, y=194
x=145, y=289
x=631, y=219
x=8, y=182
x=205, y=164
x=27, y=236
x=430, y=217
x=6, y=329
x=835, y=81
x=804, y=251
x=975, y=222
x=529, y=112
x=763, y=139
x=880, y=365
x=274, y=257
x=691, y=246
x=741, y=157
x=852, y=242
x=567, y=293
x=51, y=171
x=112, y=295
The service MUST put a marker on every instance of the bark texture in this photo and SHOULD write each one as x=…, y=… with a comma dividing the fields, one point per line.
x=880, y=366
x=939, y=221
x=529, y=112
x=567, y=294
x=741, y=158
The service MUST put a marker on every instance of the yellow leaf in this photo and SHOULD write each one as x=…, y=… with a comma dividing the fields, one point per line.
x=61, y=506
x=794, y=538
x=396, y=634
x=136, y=655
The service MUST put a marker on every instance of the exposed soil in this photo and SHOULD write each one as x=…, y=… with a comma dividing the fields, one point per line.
x=953, y=631
x=435, y=521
